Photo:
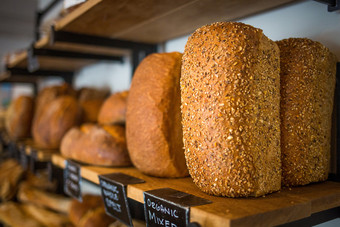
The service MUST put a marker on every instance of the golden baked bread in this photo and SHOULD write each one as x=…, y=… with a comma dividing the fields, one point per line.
x=90, y=109
x=308, y=72
x=230, y=91
x=91, y=100
x=87, y=93
x=48, y=94
x=153, y=117
x=54, y=120
x=114, y=109
x=12, y=214
x=89, y=212
x=19, y=116
x=92, y=144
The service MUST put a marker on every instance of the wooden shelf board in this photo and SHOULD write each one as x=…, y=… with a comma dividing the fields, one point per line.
x=46, y=42
x=156, y=21
x=277, y=208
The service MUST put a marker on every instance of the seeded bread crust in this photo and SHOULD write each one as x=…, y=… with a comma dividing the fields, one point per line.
x=153, y=117
x=230, y=91
x=308, y=71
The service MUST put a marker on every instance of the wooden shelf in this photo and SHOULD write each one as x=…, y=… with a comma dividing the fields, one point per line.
x=290, y=204
x=156, y=21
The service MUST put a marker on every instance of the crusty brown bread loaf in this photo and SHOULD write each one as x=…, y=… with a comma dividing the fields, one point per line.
x=48, y=94
x=230, y=91
x=92, y=144
x=54, y=120
x=90, y=110
x=308, y=72
x=19, y=116
x=153, y=118
x=114, y=109
x=87, y=93
x=91, y=100
x=89, y=212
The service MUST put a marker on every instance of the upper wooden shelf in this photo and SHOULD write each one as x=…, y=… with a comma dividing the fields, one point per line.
x=154, y=21
x=290, y=204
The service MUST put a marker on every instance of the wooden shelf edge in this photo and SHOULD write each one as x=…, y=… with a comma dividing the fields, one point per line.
x=277, y=208
x=60, y=24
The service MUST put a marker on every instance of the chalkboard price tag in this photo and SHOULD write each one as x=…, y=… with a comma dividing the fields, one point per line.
x=72, y=179
x=113, y=188
x=169, y=207
x=24, y=160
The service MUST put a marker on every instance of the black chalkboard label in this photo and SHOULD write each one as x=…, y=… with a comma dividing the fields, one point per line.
x=113, y=188
x=72, y=180
x=24, y=160
x=169, y=207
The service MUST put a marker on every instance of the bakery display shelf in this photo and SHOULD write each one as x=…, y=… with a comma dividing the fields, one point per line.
x=155, y=21
x=287, y=205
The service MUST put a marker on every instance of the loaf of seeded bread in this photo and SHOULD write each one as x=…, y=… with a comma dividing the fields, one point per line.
x=54, y=120
x=230, y=91
x=308, y=71
x=97, y=145
x=153, y=117
x=19, y=116
x=113, y=110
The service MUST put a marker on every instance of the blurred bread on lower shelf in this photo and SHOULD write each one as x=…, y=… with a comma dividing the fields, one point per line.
x=97, y=145
x=30, y=194
x=11, y=214
x=19, y=117
x=90, y=212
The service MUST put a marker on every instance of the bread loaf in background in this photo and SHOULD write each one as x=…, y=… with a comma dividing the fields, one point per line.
x=19, y=117
x=54, y=120
x=308, y=72
x=92, y=144
x=113, y=110
x=89, y=212
x=230, y=91
x=91, y=100
x=48, y=94
x=153, y=118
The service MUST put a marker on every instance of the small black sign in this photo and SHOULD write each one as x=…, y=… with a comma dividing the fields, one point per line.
x=113, y=187
x=169, y=207
x=24, y=160
x=72, y=179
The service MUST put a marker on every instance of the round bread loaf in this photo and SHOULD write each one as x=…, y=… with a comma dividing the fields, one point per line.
x=230, y=91
x=114, y=109
x=54, y=120
x=308, y=72
x=19, y=116
x=90, y=109
x=48, y=94
x=92, y=144
x=153, y=118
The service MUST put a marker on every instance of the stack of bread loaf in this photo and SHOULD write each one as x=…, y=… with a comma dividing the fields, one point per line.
x=103, y=143
x=244, y=133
